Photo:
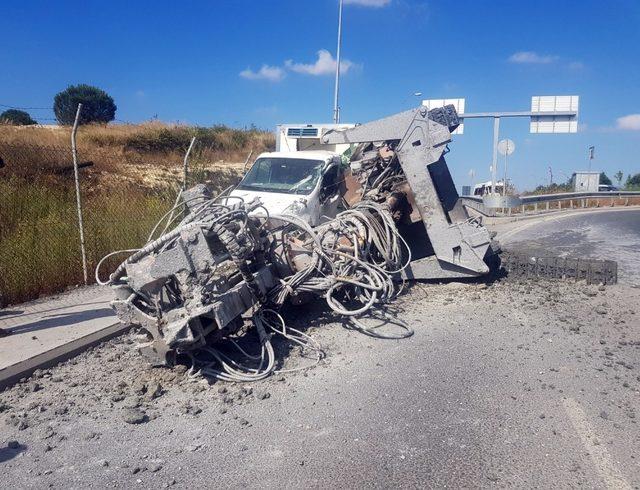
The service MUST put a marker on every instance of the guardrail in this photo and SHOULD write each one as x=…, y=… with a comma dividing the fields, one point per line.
x=543, y=203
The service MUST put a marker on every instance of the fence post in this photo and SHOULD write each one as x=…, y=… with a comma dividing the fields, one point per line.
x=74, y=152
x=186, y=164
x=246, y=162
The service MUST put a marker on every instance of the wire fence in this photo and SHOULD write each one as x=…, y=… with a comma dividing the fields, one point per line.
x=40, y=250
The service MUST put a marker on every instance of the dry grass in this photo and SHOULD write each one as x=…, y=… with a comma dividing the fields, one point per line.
x=144, y=154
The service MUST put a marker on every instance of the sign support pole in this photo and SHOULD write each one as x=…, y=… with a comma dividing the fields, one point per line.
x=494, y=164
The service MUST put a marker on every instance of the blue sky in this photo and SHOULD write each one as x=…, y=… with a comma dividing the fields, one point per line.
x=240, y=62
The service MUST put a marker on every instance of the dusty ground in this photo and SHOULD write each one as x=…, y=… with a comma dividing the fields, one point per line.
x=505, y=384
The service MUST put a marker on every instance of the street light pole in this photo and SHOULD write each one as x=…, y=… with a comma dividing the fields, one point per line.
x=336, y=107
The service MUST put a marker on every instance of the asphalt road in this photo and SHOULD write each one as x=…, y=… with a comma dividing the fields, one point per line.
x=506, y=384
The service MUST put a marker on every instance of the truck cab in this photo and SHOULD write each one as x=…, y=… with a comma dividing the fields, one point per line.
x=304, y=183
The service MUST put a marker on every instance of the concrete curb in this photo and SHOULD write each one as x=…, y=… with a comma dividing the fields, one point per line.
x=12, y=374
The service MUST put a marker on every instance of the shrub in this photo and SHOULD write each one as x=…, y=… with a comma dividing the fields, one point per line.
x=604, y=179
x=16, y=117
x=633, y=182
x=163, y=140
x=170, y=139
x=97, y=105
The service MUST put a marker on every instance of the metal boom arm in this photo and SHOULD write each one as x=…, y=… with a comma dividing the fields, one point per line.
x=459, y=246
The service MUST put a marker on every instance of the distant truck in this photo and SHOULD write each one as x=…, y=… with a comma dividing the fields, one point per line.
x=484, y=188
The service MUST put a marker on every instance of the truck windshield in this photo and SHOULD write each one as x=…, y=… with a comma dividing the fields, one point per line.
x=287, y=175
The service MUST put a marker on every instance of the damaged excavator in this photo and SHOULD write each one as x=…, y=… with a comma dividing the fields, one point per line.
x=191, y=288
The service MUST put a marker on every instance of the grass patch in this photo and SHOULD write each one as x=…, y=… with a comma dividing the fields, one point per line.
x=39, y=238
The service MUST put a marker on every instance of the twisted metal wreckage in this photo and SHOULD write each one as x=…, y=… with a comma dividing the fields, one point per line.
x=189, y=288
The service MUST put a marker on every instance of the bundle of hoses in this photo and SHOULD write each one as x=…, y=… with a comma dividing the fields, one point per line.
x=354, y=257
x=213, y=362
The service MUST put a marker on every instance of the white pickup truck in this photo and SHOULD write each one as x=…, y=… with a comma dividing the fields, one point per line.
x=304, y=183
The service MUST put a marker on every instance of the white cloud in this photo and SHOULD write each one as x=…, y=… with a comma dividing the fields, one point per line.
x=266, y=72
x=629, y=123
x=324, y=65
x=531, y=57
x=368, y=3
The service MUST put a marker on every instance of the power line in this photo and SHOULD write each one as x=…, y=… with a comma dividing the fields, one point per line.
x=27, y=108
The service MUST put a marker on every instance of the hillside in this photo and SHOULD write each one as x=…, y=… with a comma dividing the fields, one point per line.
x=148, y=155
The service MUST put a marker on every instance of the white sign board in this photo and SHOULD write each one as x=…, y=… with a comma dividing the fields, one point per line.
x=457, y=103
x=550, y=123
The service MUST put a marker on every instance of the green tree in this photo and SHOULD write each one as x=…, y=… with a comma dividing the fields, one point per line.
x=618, y=176
x=16, y=117
x=604, y=180
x=633, y=182
x=97, y=105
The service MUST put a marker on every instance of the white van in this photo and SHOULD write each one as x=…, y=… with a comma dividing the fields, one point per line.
x=303, y=183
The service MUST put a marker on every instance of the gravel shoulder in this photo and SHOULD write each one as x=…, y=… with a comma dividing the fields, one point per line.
x=503, y=384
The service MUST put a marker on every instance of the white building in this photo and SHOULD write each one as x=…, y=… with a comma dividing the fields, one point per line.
x=586, y=181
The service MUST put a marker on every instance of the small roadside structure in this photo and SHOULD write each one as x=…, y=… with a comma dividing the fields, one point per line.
x=586, y=181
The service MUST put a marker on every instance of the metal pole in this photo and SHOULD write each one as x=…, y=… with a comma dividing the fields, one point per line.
x=504, y=179
x=74, y=152
x=186, y=164
x=246, y=162
x=336, y=107
x=496, y=130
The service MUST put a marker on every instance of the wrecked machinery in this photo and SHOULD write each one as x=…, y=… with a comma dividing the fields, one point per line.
x=189, y=288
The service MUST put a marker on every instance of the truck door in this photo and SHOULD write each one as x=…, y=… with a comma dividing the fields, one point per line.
x=329, y=193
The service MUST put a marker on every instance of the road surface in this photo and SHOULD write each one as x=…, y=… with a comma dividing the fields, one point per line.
x=604, y=234
x=503, y=384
